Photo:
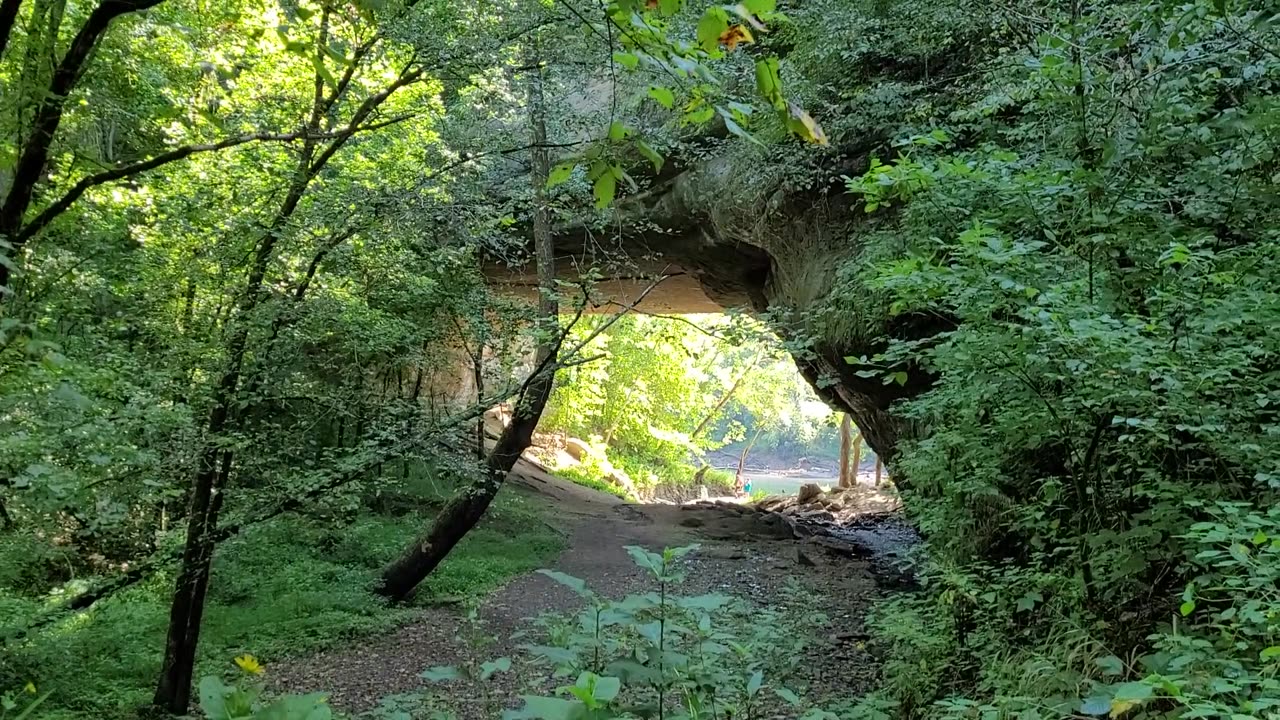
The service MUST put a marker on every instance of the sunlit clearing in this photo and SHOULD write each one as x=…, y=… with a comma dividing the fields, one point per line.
x=675, y=407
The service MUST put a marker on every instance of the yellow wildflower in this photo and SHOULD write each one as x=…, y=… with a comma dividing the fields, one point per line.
x=250, y=664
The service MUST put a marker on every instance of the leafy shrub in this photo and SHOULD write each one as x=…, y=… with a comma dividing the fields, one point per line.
x=1100, y=365
x=244, y=699
x=282, y=589
x=660, y=654
x=20, y=705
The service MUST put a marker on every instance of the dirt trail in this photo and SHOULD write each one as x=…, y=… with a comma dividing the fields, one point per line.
x=740, y=556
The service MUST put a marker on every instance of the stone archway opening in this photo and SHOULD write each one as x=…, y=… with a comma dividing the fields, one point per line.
x=688, y=397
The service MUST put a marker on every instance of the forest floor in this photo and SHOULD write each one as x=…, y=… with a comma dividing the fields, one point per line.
x=740, y=556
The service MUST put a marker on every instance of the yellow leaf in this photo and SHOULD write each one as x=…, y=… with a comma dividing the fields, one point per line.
x=735, y=35
x=30, y=688
x=1120, y=707
x=249, y=664
x=803, y=124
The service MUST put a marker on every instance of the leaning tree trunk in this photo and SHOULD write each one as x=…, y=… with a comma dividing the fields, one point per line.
x=724, y=399
x=856, y=465
x=461, y=513
x=846, y=479
x=739, y=483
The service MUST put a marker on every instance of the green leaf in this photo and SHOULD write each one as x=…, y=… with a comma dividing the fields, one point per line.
x=1133, y=691
x=700, y=116
x=663, y=96
x=755, y=682
x=577, y=585
x=760, y=7
x=1187, y=608
x=322, y=71
x=626, y=60
x=769, y=83
x=26, y=713
x=645, y=559
x=712, y=25
x=213, y=698
x=1110, y=665
x=607, y=688
x=546, y=708
x=556, y=655
x=441, y=673
x=669, y=7
x=487, y=669
x=1269, y=653
x=297, y=707
x=706, y=603
x=560, y=173
x=618, y=131
x=787, y=695
x=734, y=127
x=1239, y=552
x=604, y=189
x=650, y=154
x=1096, y=705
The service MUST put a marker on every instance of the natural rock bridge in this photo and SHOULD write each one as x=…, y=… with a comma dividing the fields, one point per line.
x=727, y=239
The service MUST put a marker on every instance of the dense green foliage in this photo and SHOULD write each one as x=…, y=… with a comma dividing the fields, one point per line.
x=241, y=255
x=243, y=304
x=1096, y=226
x=659, y=652
x=292, y=587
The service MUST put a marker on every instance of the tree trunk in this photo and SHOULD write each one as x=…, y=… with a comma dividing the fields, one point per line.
x=173, y=689
x=465, y=509
x=477, y=371
x=879, y=466
x=856, y=468
x=846, y=479
x=738, y=482
x=724, y=399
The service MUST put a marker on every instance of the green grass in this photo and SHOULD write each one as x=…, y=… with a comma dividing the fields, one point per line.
x=586, y=478
x=279, y=590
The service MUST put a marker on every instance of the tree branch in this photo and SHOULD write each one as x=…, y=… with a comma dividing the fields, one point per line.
x=60, y=206
x=35, y=151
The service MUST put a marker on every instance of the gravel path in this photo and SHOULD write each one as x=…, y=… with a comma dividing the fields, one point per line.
x=739, y=557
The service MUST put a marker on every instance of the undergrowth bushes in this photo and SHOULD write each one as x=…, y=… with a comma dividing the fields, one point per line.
x=1097, y=463
x=285, y=588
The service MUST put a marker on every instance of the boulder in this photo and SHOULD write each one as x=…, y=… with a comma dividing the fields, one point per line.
x=578, y=449
x=839, y=547
x=773, y=502
x=621, y=479
x=818, y=516
x=808, y=493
